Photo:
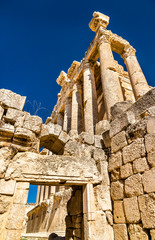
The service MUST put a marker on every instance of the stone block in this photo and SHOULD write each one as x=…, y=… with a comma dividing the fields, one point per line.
x=151, y=159
x=133, y=185
x=102, y=197
x=119, y=215
x=134, y=150
x=119, y=108
x=147, y=209
x=126, y=170
x=98, y=141
x=150, y=143
x=22, y=185
x=87, y=138
x=131, y=209
x=102, y=127
x=12, y=100
x=118, y=142
x=115, y=161
x=106, y=139
x=152, y=233
x=122, y=122
x=136, y=232
x=151, y=125
x=6, y=154
x=15, y=220
x=20, y=196
x=99, y=155
x=23, y=133
x=33, y=123
x=148, y=179
x=63, y=137
x=1, y=112
x=5, y=202
x=115, y=175
x=7, y=187
x=140, y=165
x=137, y=130
x=117, y=190
x=15, y=116
x=7, y=130
x=120, y=232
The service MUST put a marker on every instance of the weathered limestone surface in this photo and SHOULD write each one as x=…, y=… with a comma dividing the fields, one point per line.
x=120, y=231
x=25, y=165
x=10, y=99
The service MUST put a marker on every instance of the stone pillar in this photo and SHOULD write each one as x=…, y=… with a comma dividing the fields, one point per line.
x=60, y=119
x=41, y=193
x=137, y=78
x=88, y=210
x=109, y=77
x=52, y=190
x=90, y=98
x=67, y=115
x=46, y=192
x=77, y=115
x=38, y=194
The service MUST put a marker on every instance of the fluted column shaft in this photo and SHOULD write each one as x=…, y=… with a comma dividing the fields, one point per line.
x=77, y=116
x=90, y=98
x=137, y=78
x=67, y=115
x=109, y=77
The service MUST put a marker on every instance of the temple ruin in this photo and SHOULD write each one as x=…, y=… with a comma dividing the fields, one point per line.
x=96, y=171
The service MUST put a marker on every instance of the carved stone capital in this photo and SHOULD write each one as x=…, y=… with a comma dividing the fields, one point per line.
x=103, y=36
x=98, y=20
x=88, y=64
x=128, y=51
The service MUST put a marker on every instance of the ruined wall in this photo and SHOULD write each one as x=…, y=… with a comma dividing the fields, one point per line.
x=132, y=174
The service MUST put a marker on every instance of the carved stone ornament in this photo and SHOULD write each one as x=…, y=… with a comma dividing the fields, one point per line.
x=128, y=51
x=98, y=20
x=87, y=64
x=103, y=36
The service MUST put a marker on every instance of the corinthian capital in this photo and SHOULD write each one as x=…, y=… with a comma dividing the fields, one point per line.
x=128, y=51
x=103, y=36
x=98, y=20
x=87, y=64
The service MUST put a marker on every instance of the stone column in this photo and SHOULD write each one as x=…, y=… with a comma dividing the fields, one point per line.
x=77, y=115
x=90, y=98
x=46, y=192
x=60, y=119
x=109, y=77
x=67, y=115
x=137, y=78
x=38, y=194
x=41, y=193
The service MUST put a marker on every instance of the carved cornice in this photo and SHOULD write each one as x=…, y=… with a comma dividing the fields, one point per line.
x=72, y=70
x=98, y=20
x=128, y=51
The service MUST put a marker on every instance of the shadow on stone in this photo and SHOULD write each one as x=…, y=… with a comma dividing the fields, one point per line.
x=54, y=236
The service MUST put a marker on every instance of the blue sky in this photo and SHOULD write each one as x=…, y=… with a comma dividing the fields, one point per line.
x=39, y=38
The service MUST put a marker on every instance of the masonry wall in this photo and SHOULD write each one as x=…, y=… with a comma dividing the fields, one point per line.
x=131, y=166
